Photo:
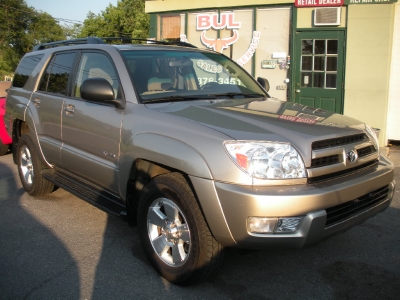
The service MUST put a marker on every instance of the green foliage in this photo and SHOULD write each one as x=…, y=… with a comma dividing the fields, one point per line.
x=72, y=31
x=127, y=19
x=21, y=28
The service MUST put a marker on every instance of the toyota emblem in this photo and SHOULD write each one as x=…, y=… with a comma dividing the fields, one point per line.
x=352, y=156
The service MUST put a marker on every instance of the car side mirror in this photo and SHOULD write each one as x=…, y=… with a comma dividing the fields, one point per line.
x=264, y=83
x=99, y=90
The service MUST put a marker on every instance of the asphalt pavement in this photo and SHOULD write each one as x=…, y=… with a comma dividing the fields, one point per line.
x=59, y=247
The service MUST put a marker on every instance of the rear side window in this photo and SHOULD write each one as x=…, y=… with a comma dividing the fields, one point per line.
x=25, y=69
x=55, y=78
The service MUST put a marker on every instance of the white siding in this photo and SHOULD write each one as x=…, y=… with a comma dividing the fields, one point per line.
x=393, y=120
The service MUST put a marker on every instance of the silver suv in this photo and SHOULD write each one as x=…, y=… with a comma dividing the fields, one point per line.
x=185, y=143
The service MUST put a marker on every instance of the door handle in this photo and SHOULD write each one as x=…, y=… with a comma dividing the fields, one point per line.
x=36, y=101
x=69, y=110
x=297, y=91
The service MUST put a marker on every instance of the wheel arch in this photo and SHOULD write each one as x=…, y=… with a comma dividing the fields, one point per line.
x=153, y=155
x=21, y=127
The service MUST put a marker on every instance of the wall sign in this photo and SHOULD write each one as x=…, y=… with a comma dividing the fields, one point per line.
x=268, y=64
x=216, y=21
x=226, y=20
x=252, y=48
x=318, y=3
x=219, y=44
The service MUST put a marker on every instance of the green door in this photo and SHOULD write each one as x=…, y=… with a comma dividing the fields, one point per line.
x=319, y=69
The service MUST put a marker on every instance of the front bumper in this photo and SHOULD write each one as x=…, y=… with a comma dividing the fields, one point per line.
x=238, y=203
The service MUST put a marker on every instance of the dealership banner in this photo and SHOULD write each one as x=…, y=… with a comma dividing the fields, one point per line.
x=318, y=3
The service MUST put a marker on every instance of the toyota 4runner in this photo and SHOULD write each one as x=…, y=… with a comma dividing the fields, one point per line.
x=187, y=145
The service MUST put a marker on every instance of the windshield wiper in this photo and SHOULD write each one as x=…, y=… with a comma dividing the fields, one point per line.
x=233, y=94
x=179, y=98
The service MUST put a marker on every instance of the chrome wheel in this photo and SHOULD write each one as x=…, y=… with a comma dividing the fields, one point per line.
x=168, y=231
x=173, y=231
x=30, y=168
x=26, y=165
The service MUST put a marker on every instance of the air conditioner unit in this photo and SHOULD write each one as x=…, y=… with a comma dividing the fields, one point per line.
x=327, y=16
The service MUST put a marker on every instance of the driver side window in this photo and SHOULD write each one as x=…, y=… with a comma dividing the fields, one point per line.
x=95, y=65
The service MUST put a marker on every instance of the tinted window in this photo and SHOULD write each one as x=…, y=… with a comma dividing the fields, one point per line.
x=25, y=68
x=55, y=78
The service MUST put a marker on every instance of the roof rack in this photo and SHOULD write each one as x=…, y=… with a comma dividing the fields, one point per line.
x=88, y=40
x=96, y=40
x=150, y=41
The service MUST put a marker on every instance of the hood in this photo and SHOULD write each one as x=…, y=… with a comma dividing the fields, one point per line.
x=266, y=120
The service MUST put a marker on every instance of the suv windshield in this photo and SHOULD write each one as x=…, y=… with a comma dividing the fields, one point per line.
x=188, y=75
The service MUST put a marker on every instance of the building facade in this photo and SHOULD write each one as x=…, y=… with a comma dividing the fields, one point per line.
x=338, y=55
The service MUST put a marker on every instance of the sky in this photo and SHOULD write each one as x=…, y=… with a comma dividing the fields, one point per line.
x=75, y=10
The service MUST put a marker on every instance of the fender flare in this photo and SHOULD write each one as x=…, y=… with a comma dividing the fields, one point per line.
x=23, y=113
x=160, y=150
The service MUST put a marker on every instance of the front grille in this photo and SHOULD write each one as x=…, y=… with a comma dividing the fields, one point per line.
x=318, y=179
x=330, y=158
x=365, y=151
x=330, y=143
x=324, y=161
x=334, y=159
x=346, y=210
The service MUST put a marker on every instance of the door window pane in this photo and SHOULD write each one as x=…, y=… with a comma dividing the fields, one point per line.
x=319, y=47
x=55, y=78
x=319, y=63
x=306, y=63
x=332, y=47
x=331, y=80
x=319, y=80
x=95, y=65
x=306, y=46
x=306, y=79
x=331, y=63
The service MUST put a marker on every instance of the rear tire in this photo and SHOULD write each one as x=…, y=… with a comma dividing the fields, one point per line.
x=30, y=167
x=173, y=232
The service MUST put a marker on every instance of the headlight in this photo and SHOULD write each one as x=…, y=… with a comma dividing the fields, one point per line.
x=266, y=160
x=373, y=136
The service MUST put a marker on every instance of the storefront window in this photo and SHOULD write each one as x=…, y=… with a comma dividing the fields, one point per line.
x=171, y=26
x=272, y=58
x=261, y=48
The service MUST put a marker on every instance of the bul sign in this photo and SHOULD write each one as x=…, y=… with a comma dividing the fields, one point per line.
x=225, y=20
x=222, y=21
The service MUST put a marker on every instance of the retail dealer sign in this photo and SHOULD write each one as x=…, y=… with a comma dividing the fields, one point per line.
x=318, y=3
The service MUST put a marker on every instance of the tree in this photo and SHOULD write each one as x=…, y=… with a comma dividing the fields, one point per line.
x=127, y=19
x=72, y=31
x=21, y=28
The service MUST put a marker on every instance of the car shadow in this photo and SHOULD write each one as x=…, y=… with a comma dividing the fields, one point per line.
x=34, y=263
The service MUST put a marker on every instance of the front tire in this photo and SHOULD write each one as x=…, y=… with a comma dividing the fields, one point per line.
x=173, y=232
x=30, y=167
